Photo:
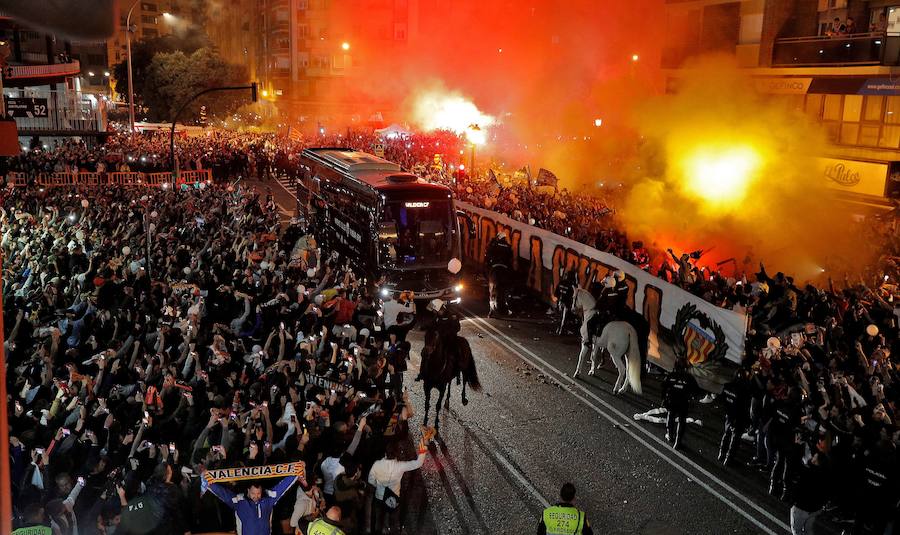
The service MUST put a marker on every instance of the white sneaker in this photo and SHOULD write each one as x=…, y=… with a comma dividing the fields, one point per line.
x=708, y=398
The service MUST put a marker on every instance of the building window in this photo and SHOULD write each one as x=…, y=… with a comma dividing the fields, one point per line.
x=150, y=32
x=852, y=108
x=146, y=6
x=832, y=108
x=868, y=134
x=400, y=32
x=890, y=137
x=849, y=133
x=872, y=111
x=303, y=31
x=893, y=21
x=148, y=19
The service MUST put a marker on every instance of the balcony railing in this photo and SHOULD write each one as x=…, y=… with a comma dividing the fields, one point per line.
x=839, y=50
x=71, y=68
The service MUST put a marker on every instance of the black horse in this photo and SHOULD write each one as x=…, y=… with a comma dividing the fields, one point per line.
x=446, y=361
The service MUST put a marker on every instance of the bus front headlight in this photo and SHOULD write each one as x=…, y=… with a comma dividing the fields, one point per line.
x=458, y=288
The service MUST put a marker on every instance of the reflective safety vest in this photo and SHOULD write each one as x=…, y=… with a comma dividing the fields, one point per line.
x=563, y=520
x=33, y=530
x=321, y=527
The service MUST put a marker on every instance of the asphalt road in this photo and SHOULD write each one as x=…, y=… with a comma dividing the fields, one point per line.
x=502, y=458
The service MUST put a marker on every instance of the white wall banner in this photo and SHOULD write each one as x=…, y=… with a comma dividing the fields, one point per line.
x=679, y=321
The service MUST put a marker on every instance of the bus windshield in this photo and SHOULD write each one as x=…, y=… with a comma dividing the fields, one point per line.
x=415, y=234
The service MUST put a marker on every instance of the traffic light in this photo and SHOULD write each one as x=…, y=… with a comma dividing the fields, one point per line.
x=253, y=96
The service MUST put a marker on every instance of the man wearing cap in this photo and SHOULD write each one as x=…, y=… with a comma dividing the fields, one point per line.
x=564, y=518
x=498, y=260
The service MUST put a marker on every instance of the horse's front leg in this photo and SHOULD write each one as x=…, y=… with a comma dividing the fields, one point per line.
x=465, y=400
x=447, y=396
x=427, y=389
x=437, y=412
x=585, y=349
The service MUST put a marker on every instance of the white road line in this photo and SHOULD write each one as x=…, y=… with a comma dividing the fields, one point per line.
x=516, y=473
x=667, y=457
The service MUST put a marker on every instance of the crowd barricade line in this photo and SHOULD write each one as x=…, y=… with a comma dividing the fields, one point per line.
x=17, y=179
x=20, y=179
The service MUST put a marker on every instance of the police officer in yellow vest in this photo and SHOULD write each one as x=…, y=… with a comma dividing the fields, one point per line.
x=330, y=524
x=564, y=518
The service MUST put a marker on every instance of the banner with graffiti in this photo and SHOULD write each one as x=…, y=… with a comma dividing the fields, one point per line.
x=680, y=322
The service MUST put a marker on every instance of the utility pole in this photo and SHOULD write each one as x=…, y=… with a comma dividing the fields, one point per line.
x=128, y=57
x=5, y=477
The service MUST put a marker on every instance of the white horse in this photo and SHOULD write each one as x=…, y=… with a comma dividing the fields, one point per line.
x=618, y=338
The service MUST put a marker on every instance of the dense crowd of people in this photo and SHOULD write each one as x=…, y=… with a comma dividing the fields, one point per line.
x=583, y=217
x=155, y=336
x=128, y=387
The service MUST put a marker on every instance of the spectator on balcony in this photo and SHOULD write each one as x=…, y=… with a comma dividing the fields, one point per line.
x=837, y=28
x=881, y=25
x=850, y=26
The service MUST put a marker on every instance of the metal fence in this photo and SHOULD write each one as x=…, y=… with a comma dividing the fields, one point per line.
x=20, y=179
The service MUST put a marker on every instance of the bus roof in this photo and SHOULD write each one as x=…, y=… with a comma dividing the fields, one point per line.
x=366, y=168
x=350, y=161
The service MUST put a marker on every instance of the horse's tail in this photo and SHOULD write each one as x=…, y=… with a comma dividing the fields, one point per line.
x=467, y=361
x=633, y=358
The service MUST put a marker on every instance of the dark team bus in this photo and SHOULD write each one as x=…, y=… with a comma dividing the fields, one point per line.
x=401, y=231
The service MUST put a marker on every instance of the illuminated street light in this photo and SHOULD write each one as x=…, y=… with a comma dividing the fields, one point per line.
x=345, y=45
x=167, y=15
x=265, y=92
x=635, y=57
x=598, y=122
x=106, y=74
x=90, y=73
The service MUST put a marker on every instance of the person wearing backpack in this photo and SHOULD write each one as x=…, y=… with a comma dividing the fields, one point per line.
x=386, y=476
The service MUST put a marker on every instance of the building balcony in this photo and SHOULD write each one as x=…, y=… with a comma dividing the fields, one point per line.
x=837, y=51
x=31, y=72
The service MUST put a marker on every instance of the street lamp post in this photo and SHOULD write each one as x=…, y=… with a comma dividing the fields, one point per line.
x=128, y=57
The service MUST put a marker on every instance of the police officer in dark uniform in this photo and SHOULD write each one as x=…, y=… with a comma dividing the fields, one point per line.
x=878, y=496
x=783, y=434
x=736, y=398
x=677, y=390
x=565, y=293
x=498, y=259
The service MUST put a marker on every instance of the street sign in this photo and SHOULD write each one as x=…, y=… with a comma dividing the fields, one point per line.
x=379, y=149
x=26, y=107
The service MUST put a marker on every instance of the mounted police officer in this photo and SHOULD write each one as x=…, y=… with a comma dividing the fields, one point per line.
x=498, y=260
x=446, y=323
x=564, y=518
x=677, y=390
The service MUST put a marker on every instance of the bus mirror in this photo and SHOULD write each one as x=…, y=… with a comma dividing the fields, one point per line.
x=469, y=223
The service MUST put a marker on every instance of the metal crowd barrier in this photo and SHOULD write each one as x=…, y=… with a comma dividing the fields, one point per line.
x=19, y=179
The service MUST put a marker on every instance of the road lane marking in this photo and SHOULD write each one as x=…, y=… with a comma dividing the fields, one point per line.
x=496, y=334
